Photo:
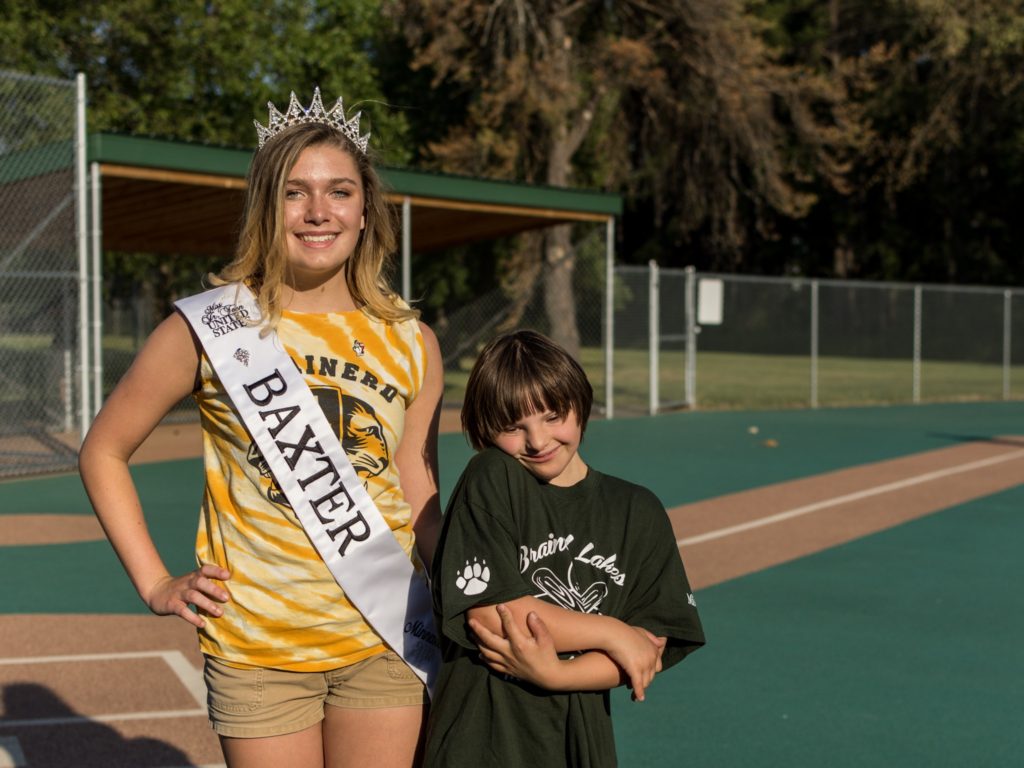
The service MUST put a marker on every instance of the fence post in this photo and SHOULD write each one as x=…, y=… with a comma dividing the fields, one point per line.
x=407, y=248
x=609, y=317
x=1007, y=305
x=653, y=334
x=85, y=415
x=690, y=377
x=95, y=278
x=814, y=343
x=67, y=334
x=917, y=343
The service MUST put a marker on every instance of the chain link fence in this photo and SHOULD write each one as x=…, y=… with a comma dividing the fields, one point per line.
x=733, y=341
x=674, y=338
x=130, y=314
x=773, y=342
x=40, y=360
x=689, y=340
x=464, y=332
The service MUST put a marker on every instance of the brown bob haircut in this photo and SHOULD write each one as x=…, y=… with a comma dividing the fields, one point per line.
x=517, y=374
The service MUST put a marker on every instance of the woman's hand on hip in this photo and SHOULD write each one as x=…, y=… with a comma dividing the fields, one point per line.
x=173, y=595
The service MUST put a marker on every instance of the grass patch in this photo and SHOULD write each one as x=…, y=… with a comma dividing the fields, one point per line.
x=25, y=342
x=764, y=382
x=724, y=380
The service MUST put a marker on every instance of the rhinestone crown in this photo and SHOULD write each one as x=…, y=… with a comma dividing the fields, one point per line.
x=297, y=114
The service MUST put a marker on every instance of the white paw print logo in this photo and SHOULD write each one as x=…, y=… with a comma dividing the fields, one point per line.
x=472, y=580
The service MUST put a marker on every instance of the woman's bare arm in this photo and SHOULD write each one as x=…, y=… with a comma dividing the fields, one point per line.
x=163, y=373
x=416, y=455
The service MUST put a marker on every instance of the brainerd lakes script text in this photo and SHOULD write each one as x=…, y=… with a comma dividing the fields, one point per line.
x=606, y=563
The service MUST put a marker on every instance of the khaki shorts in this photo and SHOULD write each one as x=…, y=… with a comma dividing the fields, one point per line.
x=256, y=702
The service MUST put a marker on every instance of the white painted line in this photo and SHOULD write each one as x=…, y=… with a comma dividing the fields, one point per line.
x=11, y=755
x=86, y=657
x=857, y=496
x=80, y=720
x=190, y=677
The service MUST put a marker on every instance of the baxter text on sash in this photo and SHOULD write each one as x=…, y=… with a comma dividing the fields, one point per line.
x=317, y=475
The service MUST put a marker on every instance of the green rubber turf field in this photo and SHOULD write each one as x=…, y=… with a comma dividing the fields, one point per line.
x=899, y=649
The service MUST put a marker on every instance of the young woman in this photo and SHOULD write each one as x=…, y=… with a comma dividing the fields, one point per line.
x=297, y=673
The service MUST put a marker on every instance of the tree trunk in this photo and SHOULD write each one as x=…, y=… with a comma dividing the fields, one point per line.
x=842, y=258
x=559, y=296
x=520, y=278
x=559, y=255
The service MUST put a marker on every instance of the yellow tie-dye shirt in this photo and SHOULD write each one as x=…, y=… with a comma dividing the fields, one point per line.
x=286, y=610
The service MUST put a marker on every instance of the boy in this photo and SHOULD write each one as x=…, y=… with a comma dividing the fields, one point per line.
x=540, y=555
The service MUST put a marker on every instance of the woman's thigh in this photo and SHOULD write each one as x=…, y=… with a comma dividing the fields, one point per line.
x=390, y=737
x=305, y=748
x=374, y=715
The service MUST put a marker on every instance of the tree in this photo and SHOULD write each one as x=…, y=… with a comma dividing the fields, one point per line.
x=951, y=107
x=731, y=137
x=677, y=101
x=530, y=110
x=201, y=72
x=938, y=89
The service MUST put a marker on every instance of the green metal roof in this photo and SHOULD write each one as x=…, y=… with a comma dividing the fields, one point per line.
x=220, y=161
x=174, y=197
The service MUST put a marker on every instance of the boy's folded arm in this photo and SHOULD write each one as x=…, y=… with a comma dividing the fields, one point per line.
x=528, y=653
x=570, y=630
x=590, y=671
x=632, y=650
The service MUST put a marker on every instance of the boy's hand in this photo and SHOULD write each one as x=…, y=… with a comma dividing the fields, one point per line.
x=173, y=595
x=529, y=656
x=638, y=653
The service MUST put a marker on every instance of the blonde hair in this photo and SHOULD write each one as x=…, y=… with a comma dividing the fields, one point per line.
x=517, y=374
x=261, y=256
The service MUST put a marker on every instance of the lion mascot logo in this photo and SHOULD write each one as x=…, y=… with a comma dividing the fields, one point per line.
x=357, y=426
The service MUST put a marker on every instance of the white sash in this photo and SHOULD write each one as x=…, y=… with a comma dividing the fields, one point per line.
x=309, y=464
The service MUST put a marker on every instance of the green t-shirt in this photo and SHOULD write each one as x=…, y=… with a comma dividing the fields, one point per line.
x=601, y=546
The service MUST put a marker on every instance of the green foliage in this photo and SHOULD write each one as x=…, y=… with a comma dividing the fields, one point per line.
x=445, y=282
x=937, y=89
x=202, y=71
x=878, y=139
